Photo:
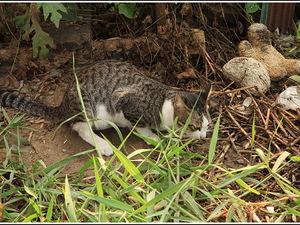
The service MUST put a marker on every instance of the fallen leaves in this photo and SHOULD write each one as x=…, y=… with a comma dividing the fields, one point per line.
x=188, y=73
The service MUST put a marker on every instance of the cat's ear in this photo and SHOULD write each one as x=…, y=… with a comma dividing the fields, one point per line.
x=205, y=93
x=180, y=108
x=178, y=102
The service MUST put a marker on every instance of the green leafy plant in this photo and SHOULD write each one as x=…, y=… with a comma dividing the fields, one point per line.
x=252, y=7
x=30, y=25
x=126, y=9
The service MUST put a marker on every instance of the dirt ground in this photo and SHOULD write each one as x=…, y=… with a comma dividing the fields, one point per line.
x=165, y=55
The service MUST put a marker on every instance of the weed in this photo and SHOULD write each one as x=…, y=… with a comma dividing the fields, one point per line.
x=166, y=189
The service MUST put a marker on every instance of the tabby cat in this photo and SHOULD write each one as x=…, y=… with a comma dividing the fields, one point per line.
x=118, y=92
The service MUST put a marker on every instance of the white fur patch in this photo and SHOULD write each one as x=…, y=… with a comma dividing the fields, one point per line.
x=145, y=131
x=196, y=134
x=167, y=114
x=204, y=127
x=103, y=114
x=84, y=132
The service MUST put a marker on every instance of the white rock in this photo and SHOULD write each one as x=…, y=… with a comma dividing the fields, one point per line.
x=248, y=72
x=271, y=209
x=247, y=101
x=289, y=98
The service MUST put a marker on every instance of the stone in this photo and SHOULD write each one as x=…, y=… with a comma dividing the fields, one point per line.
x=259, y=47
x=247, y=72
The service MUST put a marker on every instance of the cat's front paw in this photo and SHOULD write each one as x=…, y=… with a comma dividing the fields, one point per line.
x=154, y=137
x=105, y=149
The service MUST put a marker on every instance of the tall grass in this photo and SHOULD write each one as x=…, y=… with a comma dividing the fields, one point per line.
x=163, y=185
x=167, y=188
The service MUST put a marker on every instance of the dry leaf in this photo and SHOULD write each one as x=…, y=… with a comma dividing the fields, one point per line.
x=188, y=73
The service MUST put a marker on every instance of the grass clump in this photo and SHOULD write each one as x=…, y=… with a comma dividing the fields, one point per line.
x=161, y=186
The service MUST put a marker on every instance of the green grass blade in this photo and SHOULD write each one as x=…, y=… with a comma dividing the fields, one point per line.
x=150, y=210
x=165, y=194
x=295, y=158
x=295, y=77
x=103, y=216
x=280, y=160
x=217, y=210
x=31, y=217
x=35, y=207
x=253, y=132
x=214, y=140
x=97, y=178
x=70, y=208
x=128, y=165
x=50, y=209
x=230, y=214
x=22, y=140
x=240, y=175
x=61, y=124
x=132, y=192
x=193, y=205
x=30, y=192
x=116, y=128
x=146, y=139
x=109, y=202
x=261, y=155
x=62, y=162
x=246, y=186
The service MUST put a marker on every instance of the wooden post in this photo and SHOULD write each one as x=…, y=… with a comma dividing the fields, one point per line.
x=280, y=15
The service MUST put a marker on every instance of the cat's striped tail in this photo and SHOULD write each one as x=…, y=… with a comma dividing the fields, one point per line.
x=10, y=100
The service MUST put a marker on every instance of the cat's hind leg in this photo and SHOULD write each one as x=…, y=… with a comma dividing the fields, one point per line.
x=84, y=132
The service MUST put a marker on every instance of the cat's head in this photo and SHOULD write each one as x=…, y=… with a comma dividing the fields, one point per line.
x=194, y=105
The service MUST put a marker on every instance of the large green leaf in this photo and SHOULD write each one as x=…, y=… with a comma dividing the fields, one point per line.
x=53, y=9
x=252, y=7
x=127, y=9
x=40, y=41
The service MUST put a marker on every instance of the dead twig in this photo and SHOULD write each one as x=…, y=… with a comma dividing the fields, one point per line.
x=243, y=131
x=267, y=118
x=274, y=116
x=232, y=91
